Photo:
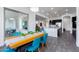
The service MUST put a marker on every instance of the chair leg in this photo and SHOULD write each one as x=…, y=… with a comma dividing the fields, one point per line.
x=38, y=50
x=42, y=45
x=46, y=44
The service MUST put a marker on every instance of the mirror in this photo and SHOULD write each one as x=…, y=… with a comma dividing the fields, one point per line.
x=15, y=21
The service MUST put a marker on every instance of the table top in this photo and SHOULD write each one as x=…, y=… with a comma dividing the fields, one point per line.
x=15, y=39
x=15, y=42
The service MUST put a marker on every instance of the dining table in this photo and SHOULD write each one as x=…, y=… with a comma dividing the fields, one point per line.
x=17, y=41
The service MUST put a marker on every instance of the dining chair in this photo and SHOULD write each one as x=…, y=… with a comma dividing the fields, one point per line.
x=16, y=34
x=44, y=40
x=35, y=46
x=7, y=49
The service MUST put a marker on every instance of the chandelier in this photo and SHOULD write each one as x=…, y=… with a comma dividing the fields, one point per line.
x=34, y=9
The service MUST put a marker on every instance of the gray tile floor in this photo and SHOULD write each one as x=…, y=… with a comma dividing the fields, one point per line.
x=64, y=43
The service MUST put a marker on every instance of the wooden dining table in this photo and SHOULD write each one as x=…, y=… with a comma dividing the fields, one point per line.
x=15, y=42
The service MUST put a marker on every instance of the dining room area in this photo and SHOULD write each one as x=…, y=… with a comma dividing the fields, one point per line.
x=39, y=29
x=19, y=36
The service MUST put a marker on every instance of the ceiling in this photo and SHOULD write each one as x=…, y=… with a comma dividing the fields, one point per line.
x=38, y=18
x=56, y=11
x=9, y=14
x=50, y=12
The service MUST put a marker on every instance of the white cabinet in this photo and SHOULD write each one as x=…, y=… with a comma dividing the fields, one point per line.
x=52, y=32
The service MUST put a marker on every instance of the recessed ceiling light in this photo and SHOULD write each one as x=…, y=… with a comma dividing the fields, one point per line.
x=34, y=9
x=66, y=10
x=55, y=12
x=11, y=18
x=52, y=8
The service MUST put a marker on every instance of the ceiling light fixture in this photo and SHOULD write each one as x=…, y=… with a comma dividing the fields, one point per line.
x=66, y=10
x=52, y=8
x=55, y=12
x=34, y=9
x=11, y=18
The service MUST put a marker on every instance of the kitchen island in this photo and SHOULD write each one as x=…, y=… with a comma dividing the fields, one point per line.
x=53, y=31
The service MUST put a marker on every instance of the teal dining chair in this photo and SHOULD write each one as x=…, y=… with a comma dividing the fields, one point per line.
x=7, y=49
x=16, y=34
x=44, y=40
x=35, y=46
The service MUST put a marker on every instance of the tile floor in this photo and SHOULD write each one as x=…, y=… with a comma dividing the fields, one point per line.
x=65, y=43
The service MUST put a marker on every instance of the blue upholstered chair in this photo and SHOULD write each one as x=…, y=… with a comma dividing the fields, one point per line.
x=44, y=40
x=35, y=45
x=16, y=34
x=8, y=50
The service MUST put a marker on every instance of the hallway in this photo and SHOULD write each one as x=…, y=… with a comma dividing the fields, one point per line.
x=64, y=43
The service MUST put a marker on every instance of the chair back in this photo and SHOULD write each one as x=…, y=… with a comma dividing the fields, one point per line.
x=36, y=42
x=16, y=34
x=44, y=38
x=8, y=50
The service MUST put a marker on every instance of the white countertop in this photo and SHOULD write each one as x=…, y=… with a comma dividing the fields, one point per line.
x=53, y=32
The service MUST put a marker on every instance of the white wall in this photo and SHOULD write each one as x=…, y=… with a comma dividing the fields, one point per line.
x=47, y=23
x=31, y=22
x=1, y=24
x=77, y=30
